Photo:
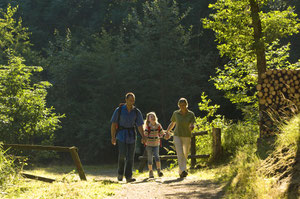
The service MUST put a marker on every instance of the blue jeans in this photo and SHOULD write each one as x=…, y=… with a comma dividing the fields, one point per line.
x=126, y=158
x=152, y=150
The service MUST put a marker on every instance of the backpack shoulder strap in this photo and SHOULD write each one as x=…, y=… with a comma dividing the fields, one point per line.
x=119, y=114
x=136, y=110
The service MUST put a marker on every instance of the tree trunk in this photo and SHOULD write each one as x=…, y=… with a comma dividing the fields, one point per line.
x=259, y=48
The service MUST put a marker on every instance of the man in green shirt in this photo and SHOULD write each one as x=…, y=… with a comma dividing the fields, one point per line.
x=184, y=120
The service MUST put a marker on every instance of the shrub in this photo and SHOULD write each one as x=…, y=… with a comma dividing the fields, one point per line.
x=238, y=135
x=206, y=123
x=8, y=173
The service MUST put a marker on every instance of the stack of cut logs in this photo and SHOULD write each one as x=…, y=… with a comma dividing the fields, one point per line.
x=279, y=95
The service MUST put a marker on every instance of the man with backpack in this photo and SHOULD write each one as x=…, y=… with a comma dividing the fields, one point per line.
x=126, y=118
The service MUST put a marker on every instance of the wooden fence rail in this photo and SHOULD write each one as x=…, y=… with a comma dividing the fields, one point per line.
x=167, y=157
x=73, y=151
x=216, y=149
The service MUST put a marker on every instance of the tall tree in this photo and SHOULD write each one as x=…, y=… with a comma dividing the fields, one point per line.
x=14, y=38
x=248, y=33
x=160, y=59
x=24, y=116
x=87, y=83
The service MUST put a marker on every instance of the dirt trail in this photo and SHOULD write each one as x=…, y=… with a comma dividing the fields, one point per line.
x=165, y=187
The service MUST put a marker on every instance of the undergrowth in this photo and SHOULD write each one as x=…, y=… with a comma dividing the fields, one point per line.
x=8, y=172
x=248, y=176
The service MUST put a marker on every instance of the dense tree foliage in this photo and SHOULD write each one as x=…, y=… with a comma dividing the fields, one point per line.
x=234, y=25
x=24, y=116
x=14, y=37
x=93, y=52
x=150, y=56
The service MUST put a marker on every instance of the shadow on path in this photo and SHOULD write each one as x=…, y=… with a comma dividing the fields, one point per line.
x=173, y=181
x=199, y=189
x=158, y=180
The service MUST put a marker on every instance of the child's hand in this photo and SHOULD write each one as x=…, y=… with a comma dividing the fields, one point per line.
x=144, y=140
x=167, y=136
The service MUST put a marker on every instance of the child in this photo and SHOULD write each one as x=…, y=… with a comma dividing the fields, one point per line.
x=153, y=132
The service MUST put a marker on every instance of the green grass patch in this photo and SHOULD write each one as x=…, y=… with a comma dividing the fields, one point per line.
x=67, y=184
x=268, y=173
x=291, y=134
x=101, y=181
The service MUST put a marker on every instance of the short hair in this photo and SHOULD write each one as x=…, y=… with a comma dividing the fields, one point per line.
x=183, y=100
x=130, y=94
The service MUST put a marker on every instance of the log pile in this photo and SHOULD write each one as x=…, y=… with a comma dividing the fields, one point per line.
x=279, y=95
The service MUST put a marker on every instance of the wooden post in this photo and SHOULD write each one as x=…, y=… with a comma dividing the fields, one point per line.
x=217, y=148
x=74, y=154
x=72, y=150
x=193, y=151
x=34, y=177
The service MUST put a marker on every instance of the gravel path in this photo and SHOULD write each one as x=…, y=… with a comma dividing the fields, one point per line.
x=167, y=187
x=164, y=187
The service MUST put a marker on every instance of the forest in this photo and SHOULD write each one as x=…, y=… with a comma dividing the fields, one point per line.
x=66, y=65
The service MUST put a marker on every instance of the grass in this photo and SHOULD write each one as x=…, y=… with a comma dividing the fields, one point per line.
x=8, y=171
x=67, y=184
x=251, y=175
x=291, y=135
x=70, y=189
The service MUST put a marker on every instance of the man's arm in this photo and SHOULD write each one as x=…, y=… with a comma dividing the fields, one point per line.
x=141, y=131
x=113, y=130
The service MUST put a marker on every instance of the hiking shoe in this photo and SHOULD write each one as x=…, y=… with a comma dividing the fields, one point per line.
x=130, y=180
x=183, y=174
x=151, y=174
x=159, y=173
x=120, y=177
x=180, y=175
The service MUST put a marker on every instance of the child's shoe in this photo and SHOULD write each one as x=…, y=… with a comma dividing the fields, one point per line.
x=159, y=173
x=151, y=174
